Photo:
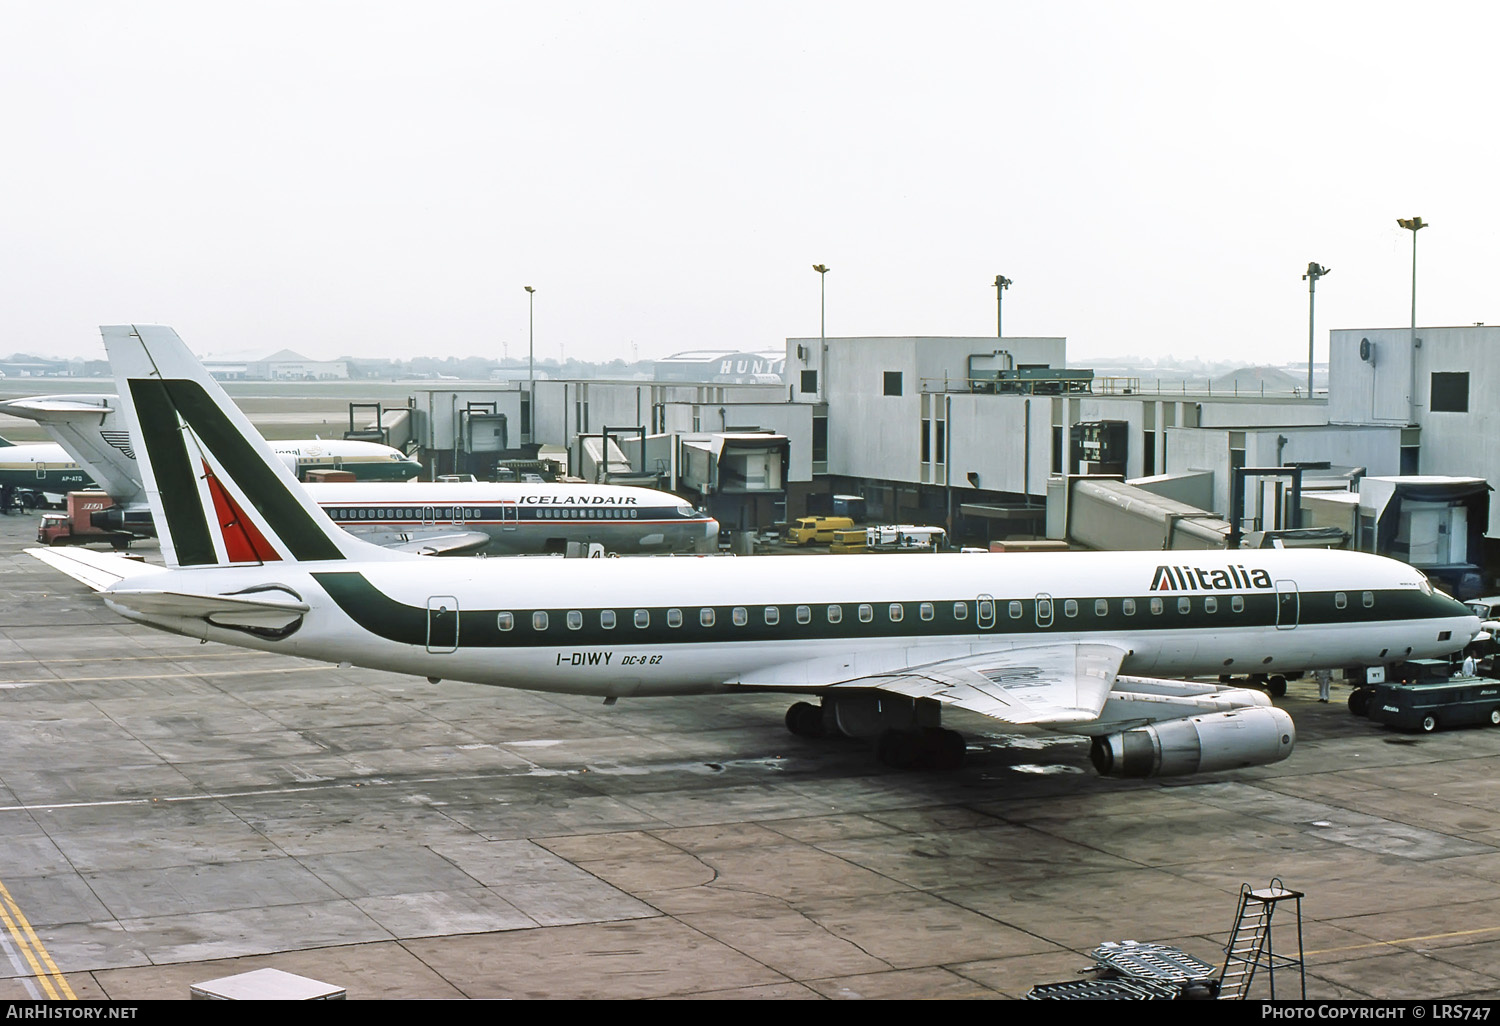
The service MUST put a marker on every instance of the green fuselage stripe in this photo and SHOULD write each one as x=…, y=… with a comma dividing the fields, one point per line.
x=396, y=621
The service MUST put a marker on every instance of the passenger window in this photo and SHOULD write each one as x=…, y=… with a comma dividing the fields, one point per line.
x=773, y=615
x=960, y=610
x=835, y=614
x=925, y=610
x=643, y=618
x=1184, y=605
x=1127, y=606
x=505, y=621
x=1210, y=604
x=674, y=618
x=607, y=619
x=740, y=616
x=575, y=620
x=897, y=612
x=1015, y=609
x=1156, y=607
x=804, y=614
x=705, y=618
x=1237, y=603
x=1070, y=607
x=1101, y=607
x=1368, y=598
x=539, y=620
x=866, y=612
x=1340, y=600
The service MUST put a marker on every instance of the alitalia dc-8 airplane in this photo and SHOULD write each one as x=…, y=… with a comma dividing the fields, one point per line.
x=1060, y=641
x=498, y=518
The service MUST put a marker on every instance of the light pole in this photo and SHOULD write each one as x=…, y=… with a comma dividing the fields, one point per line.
x=1001, y=284
x=530, y=359
x=1413, y=225
x=531, y=335
x=1314, y=272
x=822, y=270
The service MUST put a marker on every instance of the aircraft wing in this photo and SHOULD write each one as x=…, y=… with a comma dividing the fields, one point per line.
x=98, y=570
x=453, y=543
x=1041, y=685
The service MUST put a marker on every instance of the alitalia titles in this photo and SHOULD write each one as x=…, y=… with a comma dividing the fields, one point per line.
x=1197, y=578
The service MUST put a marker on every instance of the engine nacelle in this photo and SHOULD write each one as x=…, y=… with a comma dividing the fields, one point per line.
x=1197, y=744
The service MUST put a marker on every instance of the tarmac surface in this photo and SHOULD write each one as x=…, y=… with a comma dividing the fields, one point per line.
x=172, y=813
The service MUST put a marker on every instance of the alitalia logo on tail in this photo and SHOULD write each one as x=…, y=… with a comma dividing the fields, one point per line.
x=1197, y=578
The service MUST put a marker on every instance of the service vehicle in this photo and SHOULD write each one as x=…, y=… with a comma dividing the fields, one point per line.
x=1436, y=704
x=808, y=530
x=852, y=540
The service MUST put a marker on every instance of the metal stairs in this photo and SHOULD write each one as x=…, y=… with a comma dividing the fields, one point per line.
x=1250, y=946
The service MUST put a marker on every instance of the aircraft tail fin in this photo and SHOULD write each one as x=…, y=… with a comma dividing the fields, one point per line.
x=89, y=429
x=218, y=494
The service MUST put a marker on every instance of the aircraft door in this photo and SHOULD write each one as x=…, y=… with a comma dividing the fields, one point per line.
x=442, y=624
x=429, y=516
x=1288, y=605
x=1043, y=610
x=984, y=612
x=509, y=515
x=41, y=471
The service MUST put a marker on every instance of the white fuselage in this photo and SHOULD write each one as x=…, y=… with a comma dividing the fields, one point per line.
x=625, y=627
x=523, y=518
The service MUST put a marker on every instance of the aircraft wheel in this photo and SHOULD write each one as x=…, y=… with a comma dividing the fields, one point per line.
x=805, y=720
x=1276, y=686
x=945, y=748
x=1429, y=724
x=897, y=749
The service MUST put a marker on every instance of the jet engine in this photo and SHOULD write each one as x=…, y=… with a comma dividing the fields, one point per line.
x=1196, y=744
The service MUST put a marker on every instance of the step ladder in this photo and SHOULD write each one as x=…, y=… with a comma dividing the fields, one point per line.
x=1250, y=947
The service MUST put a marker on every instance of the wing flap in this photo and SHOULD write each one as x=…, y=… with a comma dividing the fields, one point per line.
x=1041, y=685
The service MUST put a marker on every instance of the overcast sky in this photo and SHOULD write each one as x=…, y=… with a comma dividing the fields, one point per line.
x=381, y=179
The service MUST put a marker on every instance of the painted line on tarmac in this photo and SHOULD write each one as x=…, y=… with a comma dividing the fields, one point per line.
x=163, y=676
x=43, y=969
x=1405, y=940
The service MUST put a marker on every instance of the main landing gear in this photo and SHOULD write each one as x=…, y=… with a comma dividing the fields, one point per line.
x=906, y=732
x=1273, y=685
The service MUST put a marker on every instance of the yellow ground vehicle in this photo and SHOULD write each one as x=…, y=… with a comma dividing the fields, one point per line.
x=849, y=541
x=816, y=529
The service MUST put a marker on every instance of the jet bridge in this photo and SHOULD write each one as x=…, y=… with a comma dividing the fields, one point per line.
x=1103, y=512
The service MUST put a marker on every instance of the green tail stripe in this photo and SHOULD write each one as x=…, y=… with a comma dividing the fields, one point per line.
x=176, y=478
x=287, y=518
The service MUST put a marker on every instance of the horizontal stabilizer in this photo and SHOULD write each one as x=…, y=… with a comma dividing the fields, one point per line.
x=48, y=409
x=98, y=570
x=275, y=602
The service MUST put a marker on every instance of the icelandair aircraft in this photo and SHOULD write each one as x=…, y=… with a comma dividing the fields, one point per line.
x=441, y=518
x=884, y=643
